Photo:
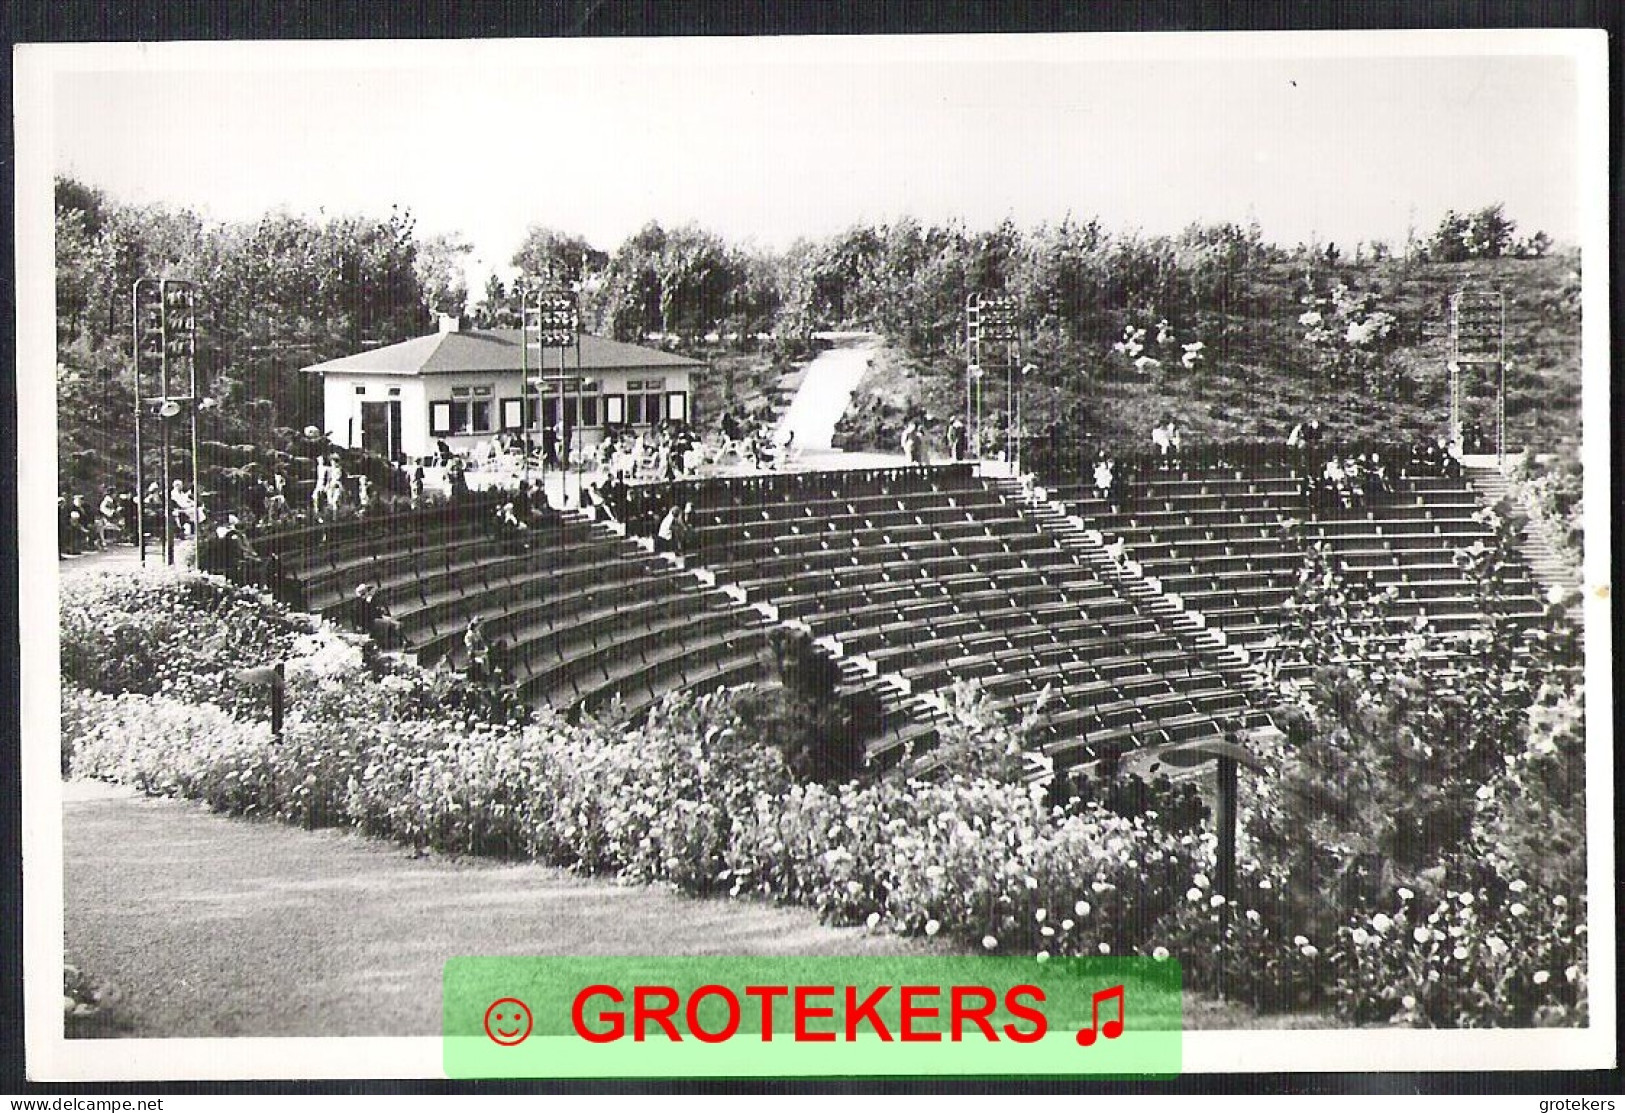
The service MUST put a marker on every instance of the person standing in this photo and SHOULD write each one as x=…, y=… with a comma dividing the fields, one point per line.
x=957, y=443
x=911, y=436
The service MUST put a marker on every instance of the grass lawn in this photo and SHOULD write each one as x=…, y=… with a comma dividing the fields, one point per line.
x=208, y=926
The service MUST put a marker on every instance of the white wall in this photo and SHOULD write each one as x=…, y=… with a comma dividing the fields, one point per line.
x=342, y=405
x=341, y=408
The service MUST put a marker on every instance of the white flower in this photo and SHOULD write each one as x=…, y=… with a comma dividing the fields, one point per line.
x=932, y=927
x=1310, y=319
x=1066, y=925
x=1517, y=909
x=1421, y=934
x=1518, y=886
x=1105, y=948
x=1406, y=894
x=1466, y=900
x=1408, y=1001
x=1253, y=916
x=1216, y=900
x=1381, y=922
x=1264, y=883
x=989, y=942
x=1560, y=901
x=1200, y=881
x=1032, y=882
x=1193, y=894
x=1572, y=973
x=1310, y=951
x=874, y=918
x=1485, y=792
x=1081, y=908
x=1299, y=941
x=1046, y=931
x=1160, y=954
x=1043, y=956
x=1460, y=952
x=1361, y=936
x=1496, y=945
x=1542, y=977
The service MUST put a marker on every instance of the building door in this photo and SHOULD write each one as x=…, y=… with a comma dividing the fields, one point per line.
x=381, y=428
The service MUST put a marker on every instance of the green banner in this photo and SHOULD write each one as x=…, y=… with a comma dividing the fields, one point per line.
x=790, y=1017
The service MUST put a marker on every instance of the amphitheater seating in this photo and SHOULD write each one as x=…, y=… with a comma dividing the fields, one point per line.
x=1230, y=542
x=930, y=576
x=580, y=615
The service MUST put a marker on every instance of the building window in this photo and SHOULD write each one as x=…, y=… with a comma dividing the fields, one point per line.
x=645, y=401
x=589, y=412
x=394, y=392
x=361, y=390
x=439, y=419
x=471, y=409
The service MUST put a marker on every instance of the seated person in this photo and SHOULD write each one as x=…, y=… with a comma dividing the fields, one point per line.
x=478, y=649
x=372, y=617
x=510, y=526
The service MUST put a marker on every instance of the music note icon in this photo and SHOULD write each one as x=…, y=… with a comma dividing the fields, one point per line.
x=1112, y=1028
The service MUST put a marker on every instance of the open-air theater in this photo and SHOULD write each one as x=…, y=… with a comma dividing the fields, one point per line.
x=1139, y=628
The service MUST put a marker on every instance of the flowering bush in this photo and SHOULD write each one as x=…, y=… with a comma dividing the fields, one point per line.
x=1247, y=947
x=167, y=631
x=1348, y=336
x=1496, y=953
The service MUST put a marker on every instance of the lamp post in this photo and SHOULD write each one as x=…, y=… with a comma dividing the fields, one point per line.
x=164, y=328
x=272, y=676
x=1229, y=756
x=973, y=372
x=997, y=319
x=1026, y=370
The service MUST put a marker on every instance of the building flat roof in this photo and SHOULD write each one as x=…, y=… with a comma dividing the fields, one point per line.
x=498, y=350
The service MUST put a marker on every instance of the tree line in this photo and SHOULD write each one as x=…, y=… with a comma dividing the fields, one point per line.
x=286, y=290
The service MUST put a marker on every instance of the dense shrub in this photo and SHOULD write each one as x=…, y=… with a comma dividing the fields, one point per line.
x=164, y=631
x=1496, y=952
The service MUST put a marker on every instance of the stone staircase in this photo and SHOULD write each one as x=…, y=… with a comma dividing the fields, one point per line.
x=1545, y=565
x=1145, y=592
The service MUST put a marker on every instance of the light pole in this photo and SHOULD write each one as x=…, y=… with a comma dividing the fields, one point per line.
x=164, y=327
x=973, y=372
x=1026, y=370
x=1229, y=756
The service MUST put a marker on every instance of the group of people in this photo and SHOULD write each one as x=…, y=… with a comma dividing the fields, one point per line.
x=116, y=517
x=914, y=445
x=81, y=528
x=1167, y=439
x=1346, y=481
x=516, y=518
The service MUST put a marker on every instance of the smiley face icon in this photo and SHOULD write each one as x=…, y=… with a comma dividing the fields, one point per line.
x=508, y=1021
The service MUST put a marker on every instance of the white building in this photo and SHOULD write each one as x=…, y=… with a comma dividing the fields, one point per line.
x=464, y=386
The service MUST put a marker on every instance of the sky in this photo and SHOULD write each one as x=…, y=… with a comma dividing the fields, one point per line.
x=1341, y=137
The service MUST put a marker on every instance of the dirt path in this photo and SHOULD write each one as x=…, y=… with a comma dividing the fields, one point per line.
x=825, y=389
x=211, y=926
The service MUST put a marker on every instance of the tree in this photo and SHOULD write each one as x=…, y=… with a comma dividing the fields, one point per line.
x=1387, y=756
x=440, y=261
x=561, y=257
x=1484, y=234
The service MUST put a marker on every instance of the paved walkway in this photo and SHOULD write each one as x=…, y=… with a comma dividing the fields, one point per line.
x=825, y=390
x=209, y=926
